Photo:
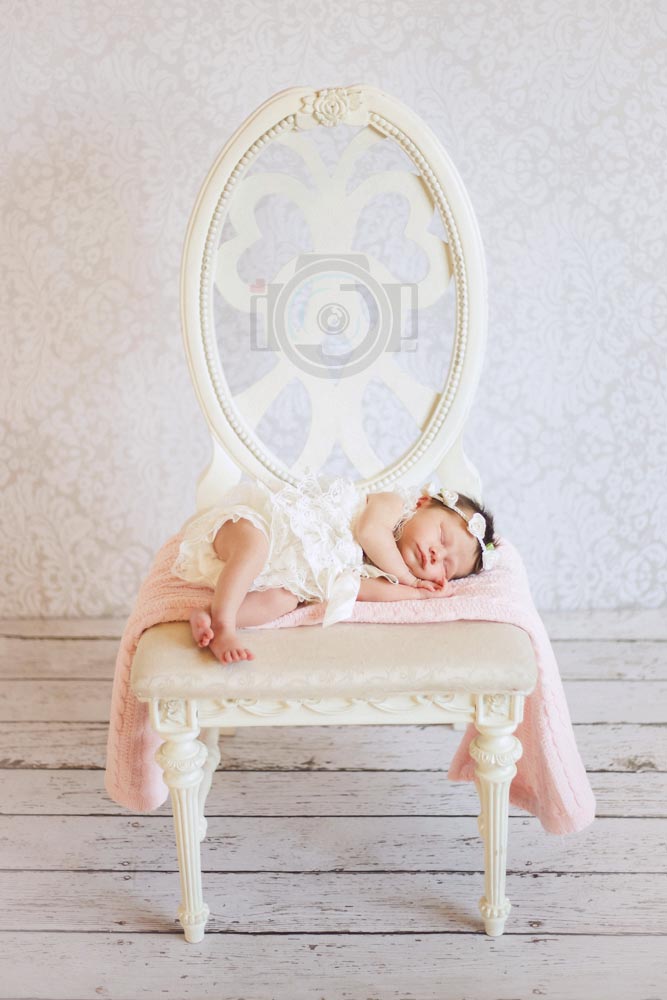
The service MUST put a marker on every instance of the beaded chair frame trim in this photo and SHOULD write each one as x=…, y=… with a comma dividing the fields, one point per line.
x=359, y=105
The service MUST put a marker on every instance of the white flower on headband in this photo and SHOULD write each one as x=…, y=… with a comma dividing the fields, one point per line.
x=490, y=556
x=477, y=526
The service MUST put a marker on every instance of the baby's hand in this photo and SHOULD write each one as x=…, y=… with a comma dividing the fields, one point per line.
x=429, y=588
x=446, y=591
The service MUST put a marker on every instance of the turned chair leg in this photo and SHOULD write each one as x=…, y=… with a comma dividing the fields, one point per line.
x=181, y=758
x=210, y=737
x=496, y=751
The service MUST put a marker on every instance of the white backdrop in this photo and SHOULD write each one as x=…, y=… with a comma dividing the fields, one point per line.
x=111, y=118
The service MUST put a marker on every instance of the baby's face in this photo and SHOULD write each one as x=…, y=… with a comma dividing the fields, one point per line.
x=436, y=544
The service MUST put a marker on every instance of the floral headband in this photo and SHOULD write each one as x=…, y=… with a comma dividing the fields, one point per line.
x=476, y=524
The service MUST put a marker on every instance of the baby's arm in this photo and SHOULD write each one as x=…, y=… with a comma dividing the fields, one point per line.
x=374, y=533
x=379, y=589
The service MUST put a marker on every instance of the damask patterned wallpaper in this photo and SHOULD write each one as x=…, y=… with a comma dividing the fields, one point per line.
x=553, y=113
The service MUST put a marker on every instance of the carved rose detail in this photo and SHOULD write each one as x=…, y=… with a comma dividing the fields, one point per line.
x=172, y=711
x=333, y=106
x=496, y=704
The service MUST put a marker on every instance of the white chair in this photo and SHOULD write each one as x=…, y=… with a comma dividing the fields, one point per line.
x=330, y=327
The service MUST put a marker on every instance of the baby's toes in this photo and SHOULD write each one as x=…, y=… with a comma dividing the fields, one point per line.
x=206, y=637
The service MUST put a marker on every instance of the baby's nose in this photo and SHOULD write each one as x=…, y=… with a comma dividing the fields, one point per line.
x=435, y=557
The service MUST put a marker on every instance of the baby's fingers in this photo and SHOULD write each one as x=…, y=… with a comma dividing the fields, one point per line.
x=445, y=591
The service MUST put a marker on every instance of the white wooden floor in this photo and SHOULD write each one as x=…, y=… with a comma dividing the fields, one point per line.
x=340, y=864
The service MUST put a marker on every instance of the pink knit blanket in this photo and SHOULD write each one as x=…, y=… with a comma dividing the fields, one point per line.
x=551, y=782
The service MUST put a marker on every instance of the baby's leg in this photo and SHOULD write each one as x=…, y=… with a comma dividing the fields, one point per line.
x=243, y=548
x=257, y=608
x=261, y=606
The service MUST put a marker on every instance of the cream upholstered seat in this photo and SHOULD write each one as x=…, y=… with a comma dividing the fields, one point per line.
x=353, y=661
x=333, y=326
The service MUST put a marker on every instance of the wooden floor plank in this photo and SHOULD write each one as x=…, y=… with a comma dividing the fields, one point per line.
x=321, y=903
x=316, y=793
x=606, y=747
x=232, y=966
x=63, y=628
x=615, y=623
x=329, y=843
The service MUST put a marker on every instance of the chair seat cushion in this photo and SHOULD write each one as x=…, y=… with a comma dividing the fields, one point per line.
x=355, y=660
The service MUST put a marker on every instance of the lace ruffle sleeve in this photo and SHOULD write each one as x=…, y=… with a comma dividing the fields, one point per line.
x=409, y=495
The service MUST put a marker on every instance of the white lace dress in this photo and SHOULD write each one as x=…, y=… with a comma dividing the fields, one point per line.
x=312, y=550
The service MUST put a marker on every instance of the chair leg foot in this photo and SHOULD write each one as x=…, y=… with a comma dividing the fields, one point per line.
x=193, y=924
x=494, y=916
x=495, y=751
x=181, y=758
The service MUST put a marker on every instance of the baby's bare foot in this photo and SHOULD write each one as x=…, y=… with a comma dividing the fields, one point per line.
x=226, y=647
x=200, y=623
